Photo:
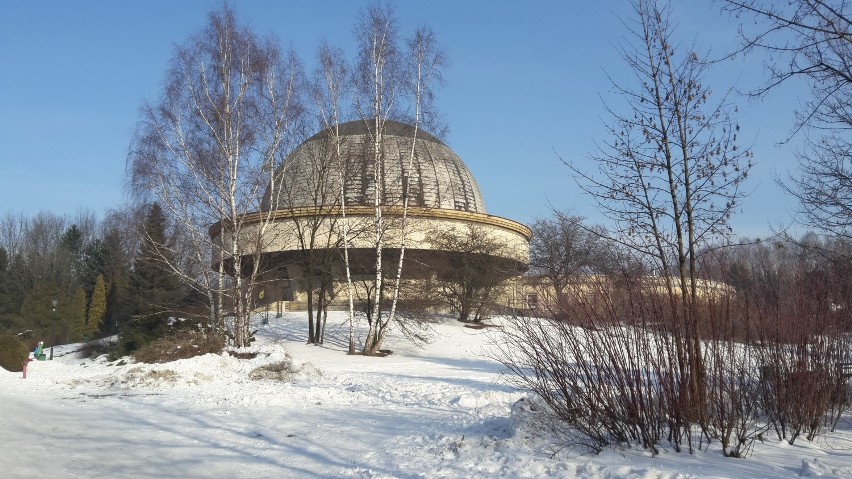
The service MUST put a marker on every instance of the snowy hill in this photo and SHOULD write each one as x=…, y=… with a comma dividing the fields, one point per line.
x=437, y=412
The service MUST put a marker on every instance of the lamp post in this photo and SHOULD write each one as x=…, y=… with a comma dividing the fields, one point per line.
x=53, y=303
x=262, y=297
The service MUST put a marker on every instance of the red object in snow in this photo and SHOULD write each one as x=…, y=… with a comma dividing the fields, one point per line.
x=26, y=361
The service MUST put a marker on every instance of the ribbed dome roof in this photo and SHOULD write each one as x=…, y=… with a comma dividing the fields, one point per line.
x=437, y=177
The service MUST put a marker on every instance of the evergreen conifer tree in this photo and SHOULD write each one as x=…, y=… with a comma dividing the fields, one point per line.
x=154, y=291
x=40, y=318
x=97, y=308
x=9, y=304
x=70, y=253
x=108, y=256
x=118, y=309
x=94, y=260
x=78, y=315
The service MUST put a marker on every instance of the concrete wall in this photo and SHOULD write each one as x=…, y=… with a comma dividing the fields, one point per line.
x=283, y=230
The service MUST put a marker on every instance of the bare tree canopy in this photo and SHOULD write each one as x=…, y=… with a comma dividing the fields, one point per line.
x=468, y=282
x=810, y=39
x=208, y=150
x=670, y=175
x=387, y=79
x=563, y=246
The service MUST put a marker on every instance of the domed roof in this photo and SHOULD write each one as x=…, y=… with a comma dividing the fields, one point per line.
x=437, y=177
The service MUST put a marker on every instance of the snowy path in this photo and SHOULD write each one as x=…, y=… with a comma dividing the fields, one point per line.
x=347, y=417
x=138, y=435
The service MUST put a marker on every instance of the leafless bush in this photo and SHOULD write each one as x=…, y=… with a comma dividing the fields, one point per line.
x=609, y=359
x=734, y=414
x=470, y=280
x=793, y=314
x=802, y=344
x=605, y=368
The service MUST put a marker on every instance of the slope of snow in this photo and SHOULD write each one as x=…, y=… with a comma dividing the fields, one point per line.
x=440, y=411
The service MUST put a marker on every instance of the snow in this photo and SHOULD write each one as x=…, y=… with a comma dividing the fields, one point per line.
x=438, y=411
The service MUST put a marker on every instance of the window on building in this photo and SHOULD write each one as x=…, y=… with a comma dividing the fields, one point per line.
x=532, y=300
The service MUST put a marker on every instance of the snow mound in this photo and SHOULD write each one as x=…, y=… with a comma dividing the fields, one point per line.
x=816, y=468
x=155, y=378
x=534, y=424
x=287, y=371
x=485, y=400
x=184, y=373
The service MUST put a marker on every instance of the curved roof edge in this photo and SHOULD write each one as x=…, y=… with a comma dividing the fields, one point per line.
x=474, y=217
x=365, y=127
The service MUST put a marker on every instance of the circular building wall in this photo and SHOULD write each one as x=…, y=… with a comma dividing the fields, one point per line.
x=327, y=185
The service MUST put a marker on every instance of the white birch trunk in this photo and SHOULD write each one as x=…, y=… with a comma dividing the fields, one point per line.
x=405, y=188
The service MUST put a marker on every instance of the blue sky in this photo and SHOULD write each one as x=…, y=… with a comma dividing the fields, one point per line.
x=526, y=83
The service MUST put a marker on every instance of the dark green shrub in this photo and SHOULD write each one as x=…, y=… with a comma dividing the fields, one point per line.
x=138, y=333
x=12, y=353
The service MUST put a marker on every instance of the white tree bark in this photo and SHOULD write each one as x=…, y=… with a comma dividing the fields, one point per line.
x=208, y=150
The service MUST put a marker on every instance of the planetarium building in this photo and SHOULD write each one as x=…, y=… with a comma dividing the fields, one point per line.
x=324, y=199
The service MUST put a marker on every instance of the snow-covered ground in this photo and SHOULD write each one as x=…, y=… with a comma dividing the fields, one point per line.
x=437, y=412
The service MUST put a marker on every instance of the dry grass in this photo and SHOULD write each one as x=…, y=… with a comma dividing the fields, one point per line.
x=93, y=349
x=180, y=345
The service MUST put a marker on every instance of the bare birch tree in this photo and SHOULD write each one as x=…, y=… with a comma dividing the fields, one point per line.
x=330, y=90
x=208, y=151
x=386, y=79
x=378, y=83
x=427, y=62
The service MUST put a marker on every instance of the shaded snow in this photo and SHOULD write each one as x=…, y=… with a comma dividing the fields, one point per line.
x=437, y=412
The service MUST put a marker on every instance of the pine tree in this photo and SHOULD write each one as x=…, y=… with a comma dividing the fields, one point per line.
x=41, y=318
x=71, y=252
x=78, y=315
x=153, y=291
x=118, y=307
x=97, y=308
x=10, y=303
x=93, y=262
